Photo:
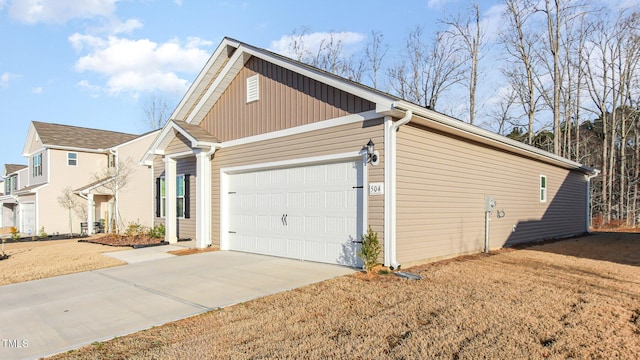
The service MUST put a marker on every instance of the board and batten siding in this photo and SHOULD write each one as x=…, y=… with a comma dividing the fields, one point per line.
x=287, y=99
x=186, y=227
x=441, y=186
x=336, y=140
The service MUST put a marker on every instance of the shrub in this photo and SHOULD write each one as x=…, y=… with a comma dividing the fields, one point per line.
x=135, y=229
x=157, y=231
x=15, y=235
x=370, y=249
x=42, y=234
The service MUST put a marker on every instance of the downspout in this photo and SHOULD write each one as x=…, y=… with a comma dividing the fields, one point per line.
x=116, y=214
x=391, y=129
x=588, y=212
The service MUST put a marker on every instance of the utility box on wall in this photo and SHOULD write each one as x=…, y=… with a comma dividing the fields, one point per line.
x=489, y=203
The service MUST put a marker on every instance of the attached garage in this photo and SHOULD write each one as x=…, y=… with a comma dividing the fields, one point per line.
x=311, y=212
x=285, y=151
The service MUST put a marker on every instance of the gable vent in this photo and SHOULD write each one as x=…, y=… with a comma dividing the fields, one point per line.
x=253, y=92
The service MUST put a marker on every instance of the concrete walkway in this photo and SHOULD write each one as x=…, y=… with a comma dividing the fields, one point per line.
x=49, y=316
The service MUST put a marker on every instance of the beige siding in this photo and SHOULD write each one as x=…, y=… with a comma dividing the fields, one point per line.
x=342, y=139
x=441, y=185
x=186, y=227
x=178, y=145
x=287, y=99
x=135, y=203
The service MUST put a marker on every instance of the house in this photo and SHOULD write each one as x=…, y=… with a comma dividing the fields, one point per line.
x=14, y=177
x=82, y=162
x=267, y=155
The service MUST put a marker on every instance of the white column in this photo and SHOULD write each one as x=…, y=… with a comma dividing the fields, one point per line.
x=203, y=200
x=170, y=223
x=90, y=215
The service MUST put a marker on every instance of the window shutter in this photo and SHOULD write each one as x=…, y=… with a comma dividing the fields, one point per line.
x=187, y=196
x=158, y=197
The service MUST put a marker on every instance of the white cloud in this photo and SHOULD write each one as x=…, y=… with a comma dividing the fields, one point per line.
x=133, y=66
x=2, y=2
x=313, y=41
x=37, y=90
x=7, y=77
x=178, y=2
x=59, y=11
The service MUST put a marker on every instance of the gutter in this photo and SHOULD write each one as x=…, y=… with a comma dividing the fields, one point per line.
x=390, y=140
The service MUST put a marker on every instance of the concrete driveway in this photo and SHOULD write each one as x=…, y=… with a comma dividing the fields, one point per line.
x=44, y=317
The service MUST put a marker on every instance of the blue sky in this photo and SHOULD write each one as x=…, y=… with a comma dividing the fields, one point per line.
x=94, y=63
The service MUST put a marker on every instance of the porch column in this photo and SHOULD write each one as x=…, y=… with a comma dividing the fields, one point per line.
x=90, y=214
x=170, y=220
x=203, y=199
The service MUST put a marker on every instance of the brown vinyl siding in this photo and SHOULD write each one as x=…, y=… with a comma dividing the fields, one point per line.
x=287, y=99
x=441, y=186
x=342, y=139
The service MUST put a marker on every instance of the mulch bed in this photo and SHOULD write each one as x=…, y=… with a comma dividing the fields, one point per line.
x=137, y=241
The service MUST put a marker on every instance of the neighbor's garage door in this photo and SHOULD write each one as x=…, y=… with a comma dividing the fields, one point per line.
x=28, y=218
x=309, y=213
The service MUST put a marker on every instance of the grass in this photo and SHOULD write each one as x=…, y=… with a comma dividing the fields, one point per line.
x=577, y=298
x=33, y=260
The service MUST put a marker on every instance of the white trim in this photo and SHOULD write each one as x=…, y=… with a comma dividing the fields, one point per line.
x=203, y=74
x=212, y=89
x=76, y=158
x=320, y=125
x=387, y=191
x=324, y=159
x=154, y=148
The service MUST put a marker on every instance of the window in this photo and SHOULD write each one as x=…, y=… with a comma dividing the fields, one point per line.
x=182, y=197
x=543, y=188
x=253, y=89
x=7, y=186
x=72, y=159
x=37, y=165
x=14, y=182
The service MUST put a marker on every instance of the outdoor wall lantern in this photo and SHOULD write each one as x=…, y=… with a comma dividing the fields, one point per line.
x=372, y=154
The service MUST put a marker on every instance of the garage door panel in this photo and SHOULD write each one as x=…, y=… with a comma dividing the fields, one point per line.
x=312, y=212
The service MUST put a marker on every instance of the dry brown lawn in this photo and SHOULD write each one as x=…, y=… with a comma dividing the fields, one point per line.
x=33, y=260
x=577, y=298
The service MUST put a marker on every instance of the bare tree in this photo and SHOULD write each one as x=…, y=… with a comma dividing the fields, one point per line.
x=69, y=201
x=428, y=70
x=375, y=53
x=469, y=32
x=156, y=111
x=114, y=179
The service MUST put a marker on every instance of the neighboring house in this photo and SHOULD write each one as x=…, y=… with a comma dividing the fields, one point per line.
x=14, y=177
x=63, y=157
x=267, y=155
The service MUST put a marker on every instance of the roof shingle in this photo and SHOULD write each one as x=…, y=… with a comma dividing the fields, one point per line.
x=79, y=137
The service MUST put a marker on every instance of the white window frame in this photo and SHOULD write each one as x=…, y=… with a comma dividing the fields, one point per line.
x=253, y=88
x=543, y=188
x=180, y=198
x=69, y=159
x=37, y=168
x=163, y=201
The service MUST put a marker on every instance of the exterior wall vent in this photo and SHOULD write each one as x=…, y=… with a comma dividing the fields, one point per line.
x=253, y=90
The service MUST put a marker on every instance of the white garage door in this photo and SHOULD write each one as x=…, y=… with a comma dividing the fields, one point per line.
x=28, y=215
x=309, y=213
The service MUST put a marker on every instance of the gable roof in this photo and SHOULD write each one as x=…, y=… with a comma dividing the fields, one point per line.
x=231, y=56
x=198, y=137
x=11, y=168
x=74, y=137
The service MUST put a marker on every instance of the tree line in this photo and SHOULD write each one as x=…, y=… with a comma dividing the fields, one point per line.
x=568, y=80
